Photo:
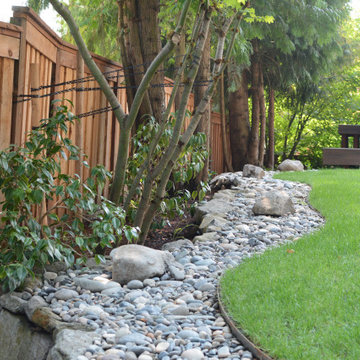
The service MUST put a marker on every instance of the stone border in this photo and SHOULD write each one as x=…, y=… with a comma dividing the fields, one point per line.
x=238, y=333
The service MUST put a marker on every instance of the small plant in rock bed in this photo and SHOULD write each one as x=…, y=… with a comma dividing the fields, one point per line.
x=189, y=165
x=32, y=235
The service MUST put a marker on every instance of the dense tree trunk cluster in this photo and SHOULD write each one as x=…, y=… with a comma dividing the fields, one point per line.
x=248, y=140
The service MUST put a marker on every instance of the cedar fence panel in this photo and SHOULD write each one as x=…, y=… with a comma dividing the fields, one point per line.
x=216, y=151
x=31, y=54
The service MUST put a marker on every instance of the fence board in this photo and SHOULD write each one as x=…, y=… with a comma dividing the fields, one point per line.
x=9, y=47
x=6, y=89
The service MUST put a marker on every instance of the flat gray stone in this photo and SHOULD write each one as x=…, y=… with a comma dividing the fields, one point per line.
x=137, y=338
x=175, y=245
x=215, y=206
x=13, y=303
x=135, y=284
x=193, y=354
x=224, y=352
x=187, y=334
x=226, y=195
x=95, y=285
x=210, y=236
x=212, y=220
x=180, y=310
x=33, y=304
x=66, y=294
x=50, y=276
x=176, y=272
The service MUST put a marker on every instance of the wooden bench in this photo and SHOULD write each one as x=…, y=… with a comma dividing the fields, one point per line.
x=344, y=156
x=347, y=131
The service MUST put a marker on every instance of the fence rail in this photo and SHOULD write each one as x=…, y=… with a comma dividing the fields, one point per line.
x=32, y=55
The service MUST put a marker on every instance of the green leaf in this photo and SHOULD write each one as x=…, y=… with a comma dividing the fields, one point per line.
x=100, y=259
x=37, y=196
x=79, y=241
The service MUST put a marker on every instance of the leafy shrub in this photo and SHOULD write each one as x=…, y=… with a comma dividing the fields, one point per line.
x=33, y=235
x=189, y=165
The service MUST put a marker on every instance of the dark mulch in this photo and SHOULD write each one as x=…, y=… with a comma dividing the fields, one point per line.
x=179, y=227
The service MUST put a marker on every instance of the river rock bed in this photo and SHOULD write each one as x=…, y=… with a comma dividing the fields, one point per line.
x=175, y=316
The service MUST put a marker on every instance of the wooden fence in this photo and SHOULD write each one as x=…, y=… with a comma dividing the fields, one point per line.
x=31, y=54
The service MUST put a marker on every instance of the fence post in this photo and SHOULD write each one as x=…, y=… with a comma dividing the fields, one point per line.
x=79, y=108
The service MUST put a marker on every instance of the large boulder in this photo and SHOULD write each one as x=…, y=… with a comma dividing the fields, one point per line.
x=216, y=206
x=276, y=203
x=13, y=302
x=69, y=344
x=212, y=222
x=291, y=165
x=253, y=171
x=137, y=262
x=19, y=339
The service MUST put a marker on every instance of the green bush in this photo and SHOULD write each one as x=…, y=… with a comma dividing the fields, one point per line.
x=188, y=166
x=31, y=174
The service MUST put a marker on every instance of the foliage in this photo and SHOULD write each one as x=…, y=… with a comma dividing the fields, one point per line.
x=188, y=166
x=77, y=219
x=321, y=108
x=301, y=301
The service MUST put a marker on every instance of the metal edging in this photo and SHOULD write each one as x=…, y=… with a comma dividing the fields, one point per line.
x=257, y=352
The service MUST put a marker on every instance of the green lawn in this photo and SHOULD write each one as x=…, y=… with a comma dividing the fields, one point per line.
x=306, y=304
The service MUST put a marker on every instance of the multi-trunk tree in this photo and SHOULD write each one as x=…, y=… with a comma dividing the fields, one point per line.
x=153, y=174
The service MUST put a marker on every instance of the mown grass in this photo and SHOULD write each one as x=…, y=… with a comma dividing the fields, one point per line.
x=305, y=303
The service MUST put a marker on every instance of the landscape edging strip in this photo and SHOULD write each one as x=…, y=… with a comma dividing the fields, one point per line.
x=260, y=355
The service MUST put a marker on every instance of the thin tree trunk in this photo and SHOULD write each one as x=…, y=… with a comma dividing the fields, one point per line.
x=224, y=133
x=123, y=42
x=271, y=127
x=262, y=140
x=253, y=149
x=180, y=55
x=199, y=91
x=239, y=124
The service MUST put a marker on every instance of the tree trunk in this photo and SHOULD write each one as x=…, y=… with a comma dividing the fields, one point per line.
x=224, y=132
x=199, y=92
x=123, y=43
x=253, y=150
x=149, y=31
x=143, y=44
x=239, y=124
x=271, y=127
x=180, y=51
x=262, y=117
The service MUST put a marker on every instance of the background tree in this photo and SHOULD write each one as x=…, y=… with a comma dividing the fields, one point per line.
x=300, y=45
